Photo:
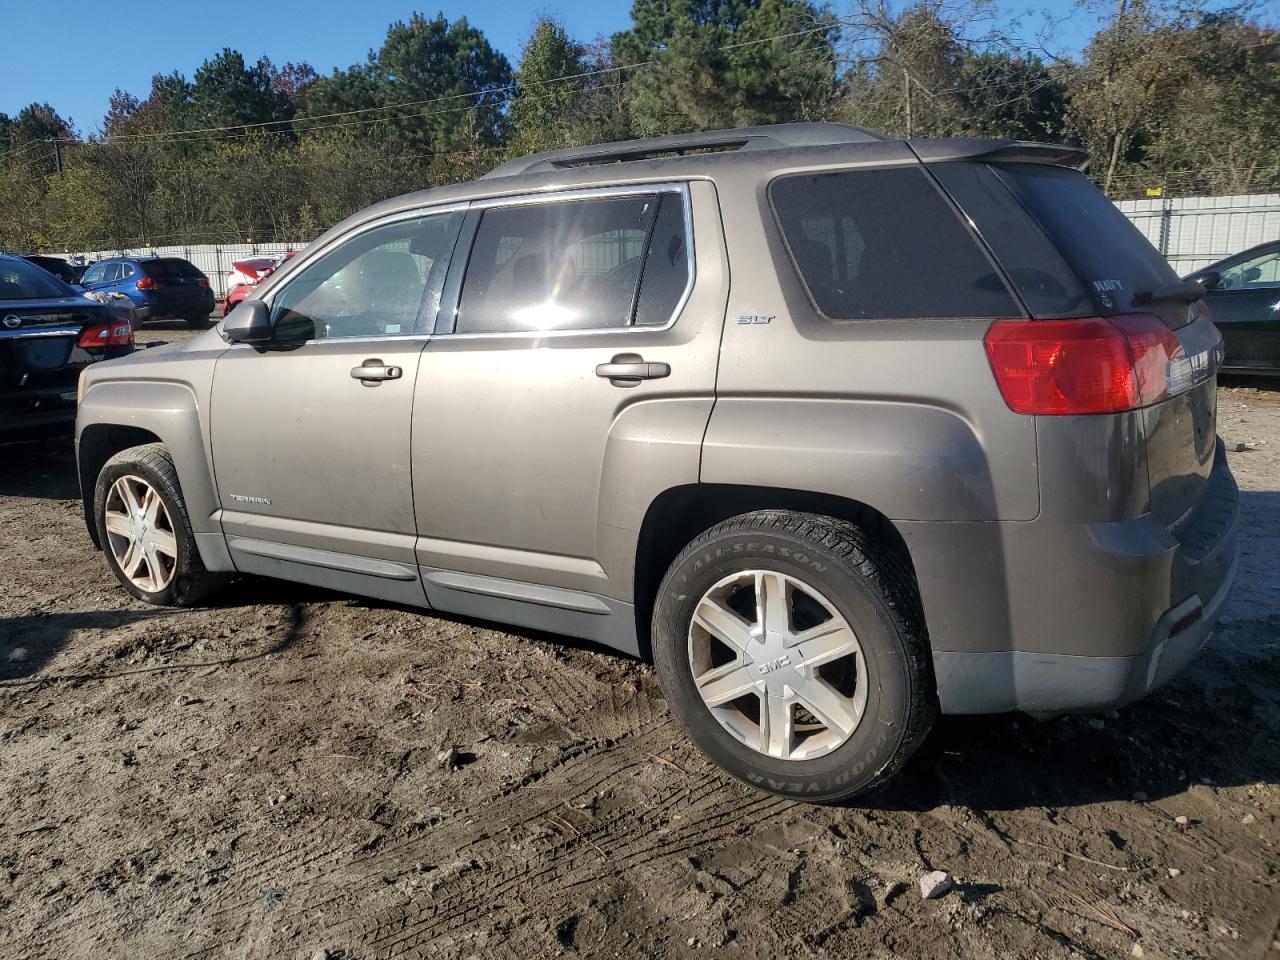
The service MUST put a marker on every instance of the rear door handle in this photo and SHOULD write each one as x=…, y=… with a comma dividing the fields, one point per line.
x=628, y=369
x=373, y=371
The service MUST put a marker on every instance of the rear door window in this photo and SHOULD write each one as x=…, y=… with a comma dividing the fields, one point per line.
x=563, y=265
x=885, y=244
x=666, y=264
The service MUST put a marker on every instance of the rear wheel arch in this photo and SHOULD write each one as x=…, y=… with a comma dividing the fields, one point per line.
x=680, y=514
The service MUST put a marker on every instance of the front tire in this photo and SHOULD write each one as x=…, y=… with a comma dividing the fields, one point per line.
x=145, y=531
x=792, y=649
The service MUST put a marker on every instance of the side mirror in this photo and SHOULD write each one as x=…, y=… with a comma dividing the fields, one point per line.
x=1210, y=279
x=249, y=322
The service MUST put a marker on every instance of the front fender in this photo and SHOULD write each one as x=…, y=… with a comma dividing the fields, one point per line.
x=171, y=412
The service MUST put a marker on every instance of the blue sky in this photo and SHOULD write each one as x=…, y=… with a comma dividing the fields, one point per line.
x=74, y=55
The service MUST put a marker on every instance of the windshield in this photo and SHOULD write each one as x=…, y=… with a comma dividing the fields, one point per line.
x=20, y=280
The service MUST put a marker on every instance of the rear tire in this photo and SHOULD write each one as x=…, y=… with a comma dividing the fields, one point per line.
x=145, y=531
x=824, y=694
x=198, y=321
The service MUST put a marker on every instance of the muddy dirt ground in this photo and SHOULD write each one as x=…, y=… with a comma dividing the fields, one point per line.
x=294, y=773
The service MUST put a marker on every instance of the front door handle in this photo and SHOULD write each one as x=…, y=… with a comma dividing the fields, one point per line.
x=628, y=369
x=373, y=371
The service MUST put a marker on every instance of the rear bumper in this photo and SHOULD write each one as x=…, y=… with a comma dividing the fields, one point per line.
x=1046, y=617
x=1062, y=683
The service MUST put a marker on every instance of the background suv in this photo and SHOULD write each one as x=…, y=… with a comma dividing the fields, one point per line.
x=161, y=288
x=842, y=431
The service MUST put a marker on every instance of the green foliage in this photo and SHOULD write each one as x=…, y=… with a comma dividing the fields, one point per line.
x=439, y=85
x=1176, y=97
x=542, y=113
x=717, y=64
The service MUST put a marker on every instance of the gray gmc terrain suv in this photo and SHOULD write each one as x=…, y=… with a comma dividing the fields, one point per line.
x=842, y=431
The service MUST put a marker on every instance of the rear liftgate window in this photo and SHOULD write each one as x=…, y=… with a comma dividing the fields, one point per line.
x=885, y=244
x=1107, y=252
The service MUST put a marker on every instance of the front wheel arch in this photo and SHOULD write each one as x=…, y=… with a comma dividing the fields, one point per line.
x=98, y=443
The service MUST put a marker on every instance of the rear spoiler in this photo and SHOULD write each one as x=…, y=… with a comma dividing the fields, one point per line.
x=998, y=151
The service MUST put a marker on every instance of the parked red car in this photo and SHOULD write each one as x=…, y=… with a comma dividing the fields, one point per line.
x=246, y=274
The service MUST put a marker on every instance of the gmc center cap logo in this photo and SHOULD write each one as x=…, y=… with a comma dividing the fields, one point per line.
x=11, y=321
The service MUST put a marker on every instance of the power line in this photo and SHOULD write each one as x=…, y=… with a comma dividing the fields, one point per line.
x=183, y=135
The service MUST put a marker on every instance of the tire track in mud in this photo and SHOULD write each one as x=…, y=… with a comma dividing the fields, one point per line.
x=577, y=857
x=611, y=729
x=580, y=859
x=616, y=726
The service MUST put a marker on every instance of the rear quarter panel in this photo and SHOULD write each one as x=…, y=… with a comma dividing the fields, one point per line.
x=903, y=415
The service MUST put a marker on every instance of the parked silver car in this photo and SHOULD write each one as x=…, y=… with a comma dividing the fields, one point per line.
x=840, y=430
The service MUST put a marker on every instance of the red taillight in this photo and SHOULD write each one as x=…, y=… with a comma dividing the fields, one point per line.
x=115, y=333
x=203, y=282
x=1058, y=367
x=148, y=283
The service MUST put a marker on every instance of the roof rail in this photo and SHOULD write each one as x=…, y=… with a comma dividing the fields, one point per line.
x=772, y=137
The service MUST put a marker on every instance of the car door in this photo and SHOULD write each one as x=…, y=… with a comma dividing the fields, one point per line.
x=92, y=278
x=1246, y=307
x=310, y=432
x=569, y=383
x=100, y=275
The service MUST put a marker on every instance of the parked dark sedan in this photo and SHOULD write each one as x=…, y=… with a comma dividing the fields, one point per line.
x=48, y=334
x=1244, y=295
x=64, y=271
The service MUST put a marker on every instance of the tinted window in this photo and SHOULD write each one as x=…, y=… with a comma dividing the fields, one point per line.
x=1044, y=280
x=375, y=284
x=20, y=280
x=885, y=244
x=666, y=265
x=111, y=273
x=59, y=268
x=1108, y=253
x=556, y=266
x=170, y=268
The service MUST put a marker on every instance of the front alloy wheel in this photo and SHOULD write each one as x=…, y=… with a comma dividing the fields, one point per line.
x=145, y=531
x=140, y=534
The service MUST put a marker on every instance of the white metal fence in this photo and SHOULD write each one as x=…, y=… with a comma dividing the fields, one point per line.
x=213, y=259
x=1191, y=232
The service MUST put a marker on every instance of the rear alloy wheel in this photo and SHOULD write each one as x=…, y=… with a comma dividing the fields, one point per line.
x=144, y=530
x=777, y=665
x=791, y=647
